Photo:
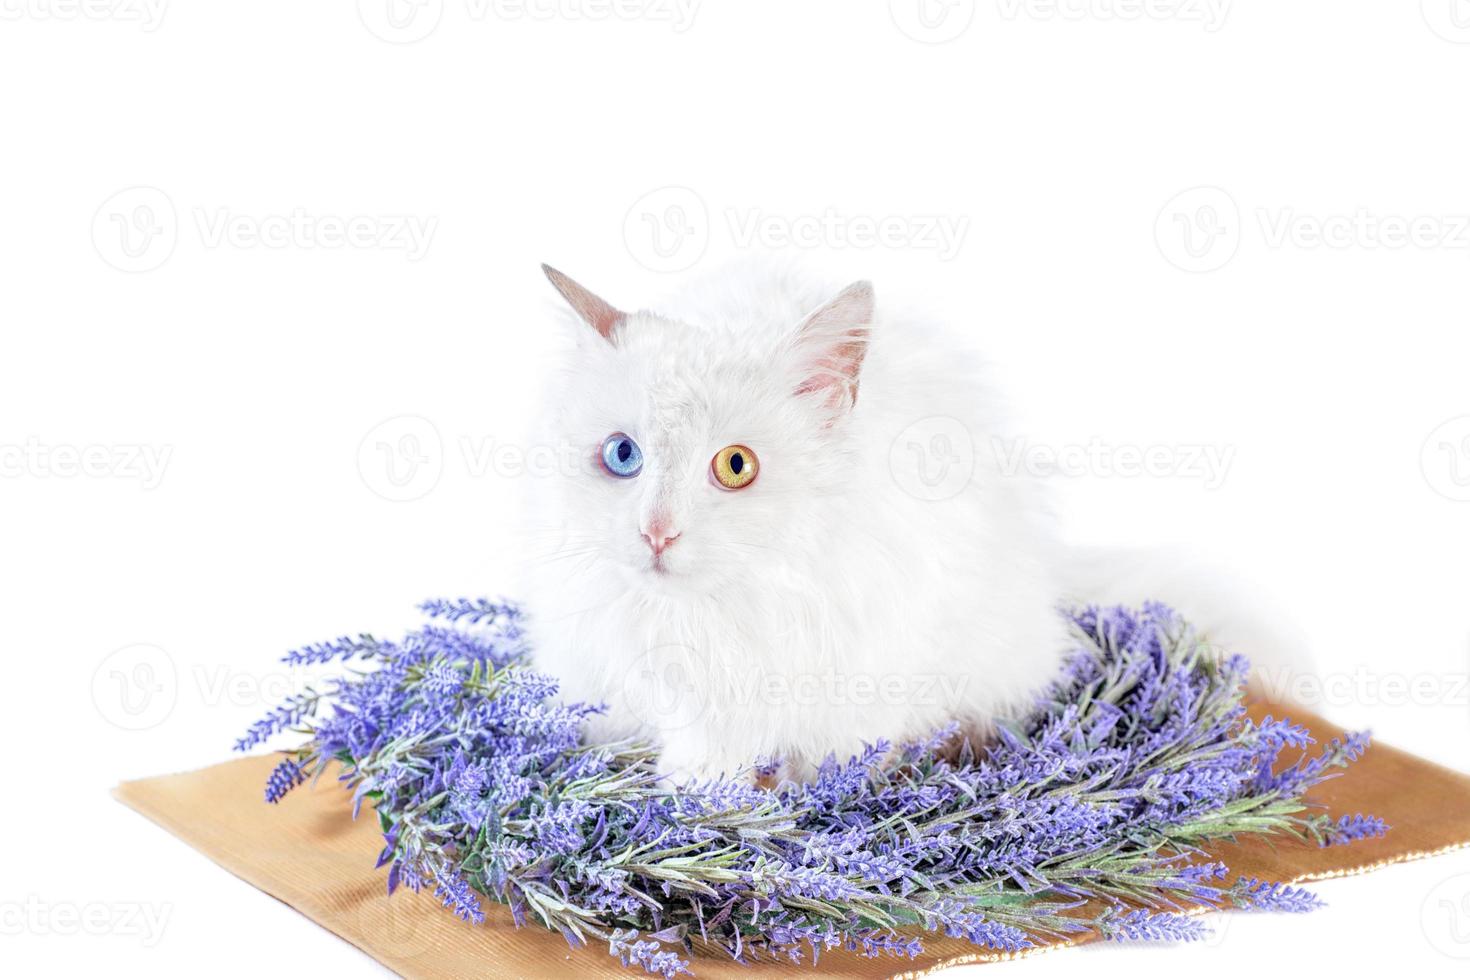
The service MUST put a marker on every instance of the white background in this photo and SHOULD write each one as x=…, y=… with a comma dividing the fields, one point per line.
x=157, y=305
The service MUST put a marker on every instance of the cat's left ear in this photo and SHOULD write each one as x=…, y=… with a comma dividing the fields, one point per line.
x=833, y=341
x=597, y=312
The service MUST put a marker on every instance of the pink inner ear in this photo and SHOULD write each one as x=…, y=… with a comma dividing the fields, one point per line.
x=837, y=338
x=598, y=314
x=836, y=371
x=604, y=319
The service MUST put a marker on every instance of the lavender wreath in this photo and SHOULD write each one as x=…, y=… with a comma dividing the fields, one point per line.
x=1091, y=812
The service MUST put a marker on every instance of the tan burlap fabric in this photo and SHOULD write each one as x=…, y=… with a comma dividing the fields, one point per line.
x=309, y=853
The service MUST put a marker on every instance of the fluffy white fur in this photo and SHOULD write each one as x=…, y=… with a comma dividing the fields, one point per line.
x=823, y=606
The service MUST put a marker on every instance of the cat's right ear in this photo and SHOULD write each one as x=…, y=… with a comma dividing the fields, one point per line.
x=834, y=340
x=595, y=311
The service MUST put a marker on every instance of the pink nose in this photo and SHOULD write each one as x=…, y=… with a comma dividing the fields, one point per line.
x=659, y=538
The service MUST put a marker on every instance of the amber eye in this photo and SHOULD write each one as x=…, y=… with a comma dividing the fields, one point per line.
x=734, y=467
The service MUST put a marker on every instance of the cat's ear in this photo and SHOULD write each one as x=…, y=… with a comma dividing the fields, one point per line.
x=593, y=309
x=832, y=342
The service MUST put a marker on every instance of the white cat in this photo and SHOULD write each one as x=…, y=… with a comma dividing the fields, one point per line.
x=790, y=536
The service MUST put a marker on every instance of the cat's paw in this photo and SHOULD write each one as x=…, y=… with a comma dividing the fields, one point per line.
x=787, y=771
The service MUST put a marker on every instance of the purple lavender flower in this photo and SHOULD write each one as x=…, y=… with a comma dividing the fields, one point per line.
x=1269, y=896
x=291, y=712
x=649, y=955
x=283, y=778
x=470, y=610
x=457, y=895
x=364, y=645
x=1151, y=926
x=1352, y=828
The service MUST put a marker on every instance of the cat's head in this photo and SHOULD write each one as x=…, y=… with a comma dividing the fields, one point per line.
x=704, y=446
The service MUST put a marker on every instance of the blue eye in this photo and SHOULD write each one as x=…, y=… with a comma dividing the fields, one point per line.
x=621, y=456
